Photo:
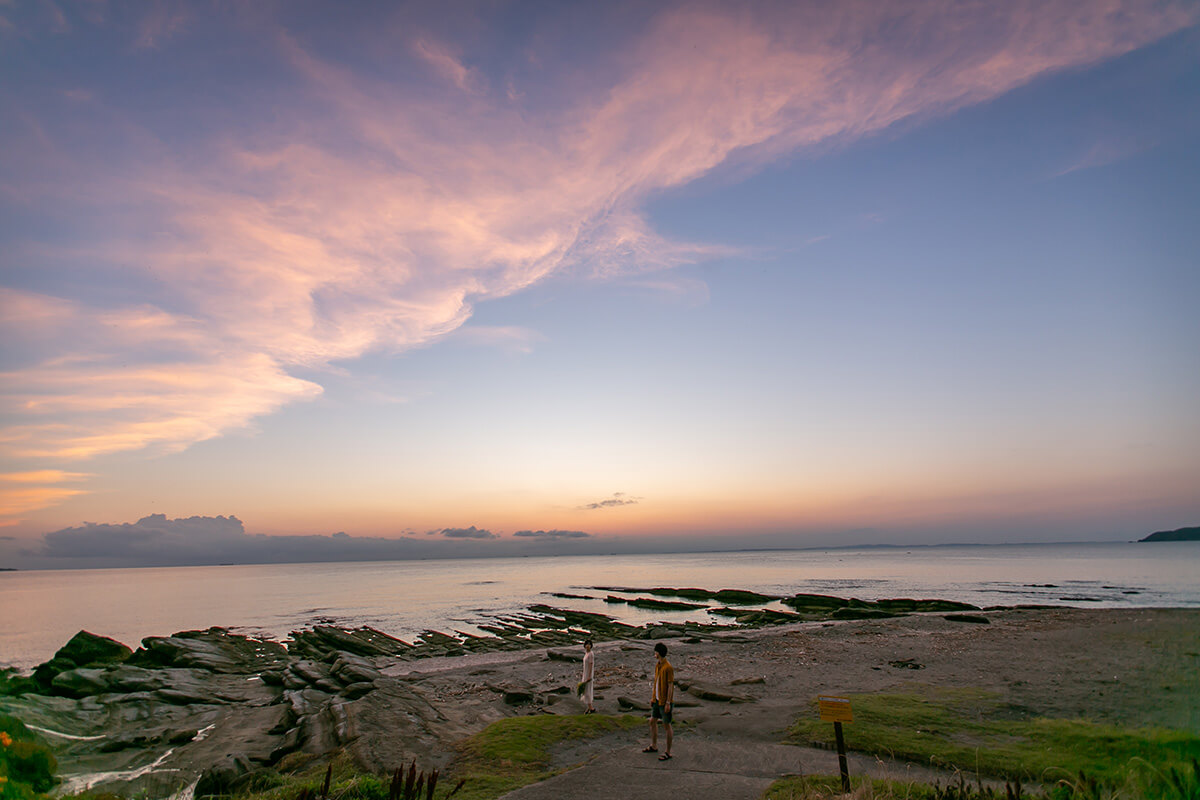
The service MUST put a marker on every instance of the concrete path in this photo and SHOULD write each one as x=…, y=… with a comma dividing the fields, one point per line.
x=702, y=770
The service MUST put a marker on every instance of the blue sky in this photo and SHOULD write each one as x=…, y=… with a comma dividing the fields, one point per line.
x=690, y=275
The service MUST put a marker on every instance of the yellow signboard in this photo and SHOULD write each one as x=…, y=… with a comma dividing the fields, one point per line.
x=835, y=709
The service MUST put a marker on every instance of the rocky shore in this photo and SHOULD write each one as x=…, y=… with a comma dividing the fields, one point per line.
x=209, y=711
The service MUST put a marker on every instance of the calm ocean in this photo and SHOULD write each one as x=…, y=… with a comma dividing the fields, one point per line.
x=42, y=609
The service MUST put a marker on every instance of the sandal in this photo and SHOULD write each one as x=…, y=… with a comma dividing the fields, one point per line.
x=650, y=750
x=665, y=757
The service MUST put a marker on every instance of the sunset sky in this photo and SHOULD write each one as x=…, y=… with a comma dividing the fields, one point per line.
x=592, y=277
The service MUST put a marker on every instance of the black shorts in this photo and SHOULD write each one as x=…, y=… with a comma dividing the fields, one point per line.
x=658, y=712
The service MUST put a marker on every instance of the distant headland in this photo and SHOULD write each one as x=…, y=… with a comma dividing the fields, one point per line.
x=1178, y=535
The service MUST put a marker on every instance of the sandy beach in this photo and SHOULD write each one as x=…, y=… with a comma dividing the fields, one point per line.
x=1136, y=668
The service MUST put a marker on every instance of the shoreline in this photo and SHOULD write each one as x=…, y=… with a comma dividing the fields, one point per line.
x=742, y=686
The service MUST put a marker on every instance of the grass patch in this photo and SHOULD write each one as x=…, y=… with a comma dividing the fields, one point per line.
x=828, y=787
x=964, y=729
x=1143, y=782
x=515, y=752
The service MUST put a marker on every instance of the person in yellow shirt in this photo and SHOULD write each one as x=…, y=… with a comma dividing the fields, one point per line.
x=662, y=694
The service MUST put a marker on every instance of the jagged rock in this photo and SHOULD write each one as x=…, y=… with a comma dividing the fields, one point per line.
x=354, y=691
x=663, y=605
x=659, y=632
x=81, y=650
x=909, y=605
x=742, y=597
x=518, y=697
x=305, y=702
x=290, y=744
x=629, y=704
x=308, y=671
x=564, y=655
x=293, y=682
x=126, y=741
x=325, y=730
x=215, y=649
x=975, y=618
x=80, y=682
x=127, y=678
x=809, y=601
x=271, y=677
x=325, y=640
x=181, y=736
x=756, y=617
x=352, y=669
x=220, y=777
x=708, y=692
x=188, y=697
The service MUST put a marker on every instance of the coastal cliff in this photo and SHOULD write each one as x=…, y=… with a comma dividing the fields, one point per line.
x=1177, y=535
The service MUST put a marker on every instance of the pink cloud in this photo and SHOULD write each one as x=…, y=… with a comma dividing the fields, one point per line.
x=23, y=492
x=447, y=64
x=370, y=215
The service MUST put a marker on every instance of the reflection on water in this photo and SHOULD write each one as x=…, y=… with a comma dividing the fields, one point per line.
x=404, y=598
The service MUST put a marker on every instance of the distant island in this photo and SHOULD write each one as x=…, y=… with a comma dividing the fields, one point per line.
x=1180, y=535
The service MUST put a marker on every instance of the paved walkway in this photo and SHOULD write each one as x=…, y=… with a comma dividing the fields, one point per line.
x=702, y=770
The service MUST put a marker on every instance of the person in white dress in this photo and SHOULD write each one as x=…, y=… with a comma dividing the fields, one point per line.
x=587, y=680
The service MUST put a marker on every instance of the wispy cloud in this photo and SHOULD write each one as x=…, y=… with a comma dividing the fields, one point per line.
x=24, y=492
x=362, y=213
x=509, y=338
x=440, y=57
x=1102, y=153
x=618, y=499
x=163, y=19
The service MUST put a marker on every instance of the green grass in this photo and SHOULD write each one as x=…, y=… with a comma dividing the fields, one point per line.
x=1143, y=782
x=27, y=765
x=966, y=730
x=828, y=787
x=515, y=752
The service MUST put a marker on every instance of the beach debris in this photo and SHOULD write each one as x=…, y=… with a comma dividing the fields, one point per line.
x=756, y=679
x=629, y=704
x=906, y=663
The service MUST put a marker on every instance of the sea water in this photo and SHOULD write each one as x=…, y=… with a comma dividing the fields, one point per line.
x=40, y=610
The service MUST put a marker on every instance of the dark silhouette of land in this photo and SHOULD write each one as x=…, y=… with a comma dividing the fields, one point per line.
x=1177, y=535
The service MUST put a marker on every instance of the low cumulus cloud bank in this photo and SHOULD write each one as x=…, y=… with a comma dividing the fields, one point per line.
x=552, y=534
x=158, y=541
x=465, y=533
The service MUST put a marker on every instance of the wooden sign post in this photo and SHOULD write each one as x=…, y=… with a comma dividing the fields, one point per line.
x=837, y=710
